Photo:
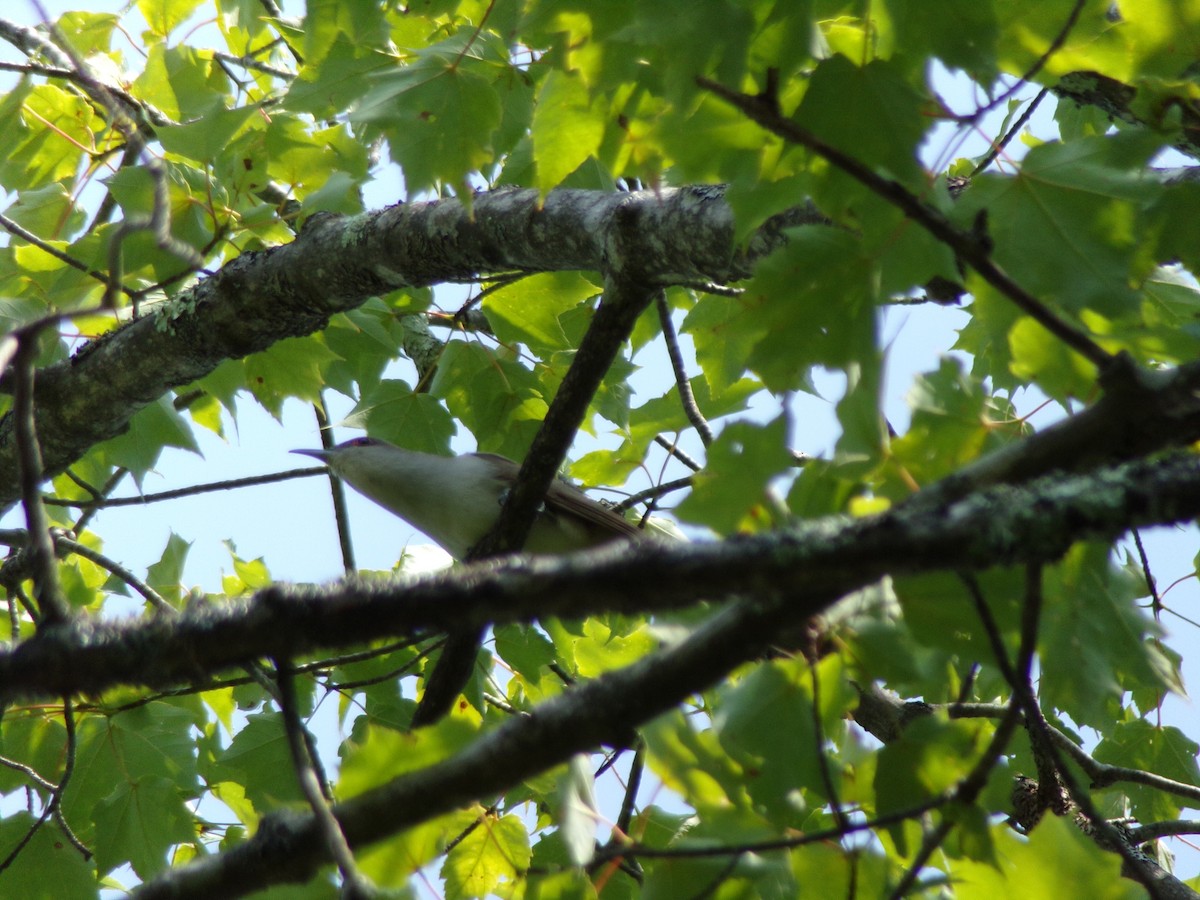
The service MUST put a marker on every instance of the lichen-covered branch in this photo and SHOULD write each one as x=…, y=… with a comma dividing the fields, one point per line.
x=812, y=564
x=337, y=263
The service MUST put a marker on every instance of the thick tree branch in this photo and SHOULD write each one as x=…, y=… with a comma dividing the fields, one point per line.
x=811, y=563
x=288, y=847
x=338, y=262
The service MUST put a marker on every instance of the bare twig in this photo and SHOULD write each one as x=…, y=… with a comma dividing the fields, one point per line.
x=1136, y=866
x=24, y=234
x=53, y=607
x=1101, y=774
x=69, y=753
x=1038, y=64
x=249, y=62
x=968, y=247
x=1140, y=834
x=680, y=455
x=107, y=488
x=29, y=772
x=812, y=837
x=973, y=784
x=711, y=287
x=1156, y=604
x=634, y=783
x=495, y=283
x=654, y=493
x=229, y=485
x=53, y=804
x=835, y=805
x=625, y=296
x=337, y=492
x=998, y=147
x=125, y=119
x=682, y=384
x=62, y=542
x=158, y=223
x=354, y=884
x=472, y=320
x=254, y=675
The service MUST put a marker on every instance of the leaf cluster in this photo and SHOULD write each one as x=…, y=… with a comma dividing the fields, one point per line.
x=195, y=226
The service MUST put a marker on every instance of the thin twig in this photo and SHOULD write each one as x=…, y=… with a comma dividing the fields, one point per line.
x=466, y=832
x=626, y=295
x=634, y=783
x=472, y=320
x=495, y=283
x=354, y=884
x=94, y=491
x=968, y=684
x=1015, y=676
x=62, y=542
x=970, y=788
x=686, y=398
x=968, y=247
x=249, y=62
x=710, y=287
x=1101, y=774
x=835, y=805
x=998, y=146
x=654, y=493
x=46, y=588
x=1140, y=834
x=680, y=455
x=1109, y=837
x=69, y=754
x=25, y=603
x=812, y=837
x=390, y=675
x=1038, y=64
x=254, y=677
x=231, y=484
x=89, y=513
x=158, y=223
x=498, y=702
x=53, y=803
x=29, y=772
x=337, y=491
x=24, y=234
x=1156, y=604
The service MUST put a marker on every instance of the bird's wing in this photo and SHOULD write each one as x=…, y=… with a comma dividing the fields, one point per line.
x=572, y=501
x=563, y=499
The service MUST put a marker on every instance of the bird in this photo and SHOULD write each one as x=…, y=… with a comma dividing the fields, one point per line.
x=455, y=500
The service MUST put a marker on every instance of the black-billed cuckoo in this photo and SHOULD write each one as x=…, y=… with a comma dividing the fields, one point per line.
x=455, y=500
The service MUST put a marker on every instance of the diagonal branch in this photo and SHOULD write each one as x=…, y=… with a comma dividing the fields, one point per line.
x=628, y=291
x=289, y=847
x=969, y=249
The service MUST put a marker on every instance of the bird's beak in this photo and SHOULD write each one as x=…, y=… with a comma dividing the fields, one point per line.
x=322, y=455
